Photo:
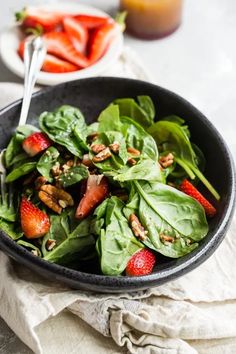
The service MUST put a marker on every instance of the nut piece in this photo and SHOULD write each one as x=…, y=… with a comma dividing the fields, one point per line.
x=50, y=244
x=167, y=160
x=86, y=161
x=39, y=182
x=96, y=148
x=167, y=238
x=35, y=253
x=55, y=198
x=56, y=170
x=93, y=136
x=137, y=228
x=131, y=161
x=115, y=147
x=102, y=156
x=133, y=151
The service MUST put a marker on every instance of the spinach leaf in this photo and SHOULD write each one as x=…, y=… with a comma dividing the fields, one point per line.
x=10, y=229
x=137, y=137
x=146, y=169
x=109, y=119
x=20, y=171
x=47, y=161
x=30, y=246
x=66, y=126
x=75, y=242
x=165, y=211
x=116, y=243
x=174, y=139
x=73, y=175
x=142, y=114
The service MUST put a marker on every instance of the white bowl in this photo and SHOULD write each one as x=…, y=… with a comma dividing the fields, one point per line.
x=10, y=38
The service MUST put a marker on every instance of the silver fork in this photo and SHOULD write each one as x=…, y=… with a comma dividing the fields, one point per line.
x=34, y=54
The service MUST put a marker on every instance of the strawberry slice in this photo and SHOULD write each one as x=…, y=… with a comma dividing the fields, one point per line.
x=59, y=44
x=77, y=33
x=34, y=222
x=192, y=191
x=92, y=22
x=101, y=39
x=35, y=143
x=141, y=263
x=31, y=17
x=97, y=189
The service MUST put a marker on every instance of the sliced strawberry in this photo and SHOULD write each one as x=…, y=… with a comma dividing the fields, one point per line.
x=32, y=17
x=141, y=263
x=77, y=33
x=192, y=191
x=53, y=64
x=92, y=22
x=35, y=143
x=97, y=189
x=34, y=222
x=101, y=39
x=59, y=44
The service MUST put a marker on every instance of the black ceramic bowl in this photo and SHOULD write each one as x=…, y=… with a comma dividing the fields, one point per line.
x=91, y=96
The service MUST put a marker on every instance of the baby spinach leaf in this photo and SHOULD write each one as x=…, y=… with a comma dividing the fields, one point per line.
x=10, y=229
x=174, y=139
x=47, y=161
x=165, y=211
x=142, y=114
x=73, y=175
x=20, y=171
x=146, y=103
x=29, y=246
x=66, y=126
x=109, y=119
x=116, y=243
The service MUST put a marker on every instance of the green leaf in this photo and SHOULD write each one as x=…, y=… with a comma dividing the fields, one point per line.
x=116, y=243
x=29, y=246
x=20, y=171
x=164, y=210
x=66, y=126
x=146, y=103
x=109, y=119
x=73, y=175
x=47, y=161
x=10, y=229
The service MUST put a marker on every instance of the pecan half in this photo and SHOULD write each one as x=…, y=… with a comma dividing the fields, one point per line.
x=131, y=161
x=55, y=198
x=167, y=160
x=137, y=227
x=133, y=151
x=167, y=238
x=96, y=148
x=115, y=147
x=39, y=182
x=102, y=156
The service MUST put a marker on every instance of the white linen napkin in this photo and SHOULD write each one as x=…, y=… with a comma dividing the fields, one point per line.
x=193, y=314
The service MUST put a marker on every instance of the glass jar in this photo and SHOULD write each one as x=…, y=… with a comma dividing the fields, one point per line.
x=150, y=19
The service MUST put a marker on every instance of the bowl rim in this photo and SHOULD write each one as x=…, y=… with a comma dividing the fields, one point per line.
x=113, y=283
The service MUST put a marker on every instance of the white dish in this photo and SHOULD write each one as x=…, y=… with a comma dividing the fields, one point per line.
x=10, y=38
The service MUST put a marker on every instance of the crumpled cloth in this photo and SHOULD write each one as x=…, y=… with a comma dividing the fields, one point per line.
x=193, y=314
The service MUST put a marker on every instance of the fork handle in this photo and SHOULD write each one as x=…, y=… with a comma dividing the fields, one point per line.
x=34, y=54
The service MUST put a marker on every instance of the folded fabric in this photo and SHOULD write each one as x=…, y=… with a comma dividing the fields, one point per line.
x=193, y=314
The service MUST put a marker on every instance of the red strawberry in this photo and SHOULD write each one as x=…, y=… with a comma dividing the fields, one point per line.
x=77, y=33
x=101, y=39
x=53, y=64
x=36, y=143
x=97, y=189
x=34, y=222
x=192, y=191
x=141, y=263
x=92, y=22
x=59, y=44
x=32, y=17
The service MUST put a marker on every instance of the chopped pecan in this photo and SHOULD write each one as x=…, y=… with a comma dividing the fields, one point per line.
x=55, y=198
x=67, y=165
x=167, y=160
x=50, y=244
x=86, y=161
x=35, y=253
x=131, y=161
x=102, y=156
x=115, y=147
x=96, y=148
x=56, y=170
x=133, y=151
x=167, y=238
x=93, y=136
x=137, y=227
x=39, y=182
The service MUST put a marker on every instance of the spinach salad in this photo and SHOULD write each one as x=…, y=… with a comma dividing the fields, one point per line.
x=108, y=190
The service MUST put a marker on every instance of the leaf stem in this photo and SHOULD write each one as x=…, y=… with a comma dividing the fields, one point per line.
x=185, y=167
x=208, y=185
